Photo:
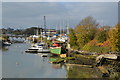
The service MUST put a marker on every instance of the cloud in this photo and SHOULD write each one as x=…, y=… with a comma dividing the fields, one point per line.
x=27, y=14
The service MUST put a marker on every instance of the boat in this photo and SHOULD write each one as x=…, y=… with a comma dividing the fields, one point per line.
x=38, y=48
x=33, y=49
x=6, y=43
x=57, y=49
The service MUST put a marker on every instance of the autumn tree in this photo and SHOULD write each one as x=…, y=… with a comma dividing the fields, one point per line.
x=115, y=38
x=86, y=30
x=101, y=36
x=72, y=38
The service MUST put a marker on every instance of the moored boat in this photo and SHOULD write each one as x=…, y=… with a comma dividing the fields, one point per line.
x=6, y=43
x=57, y=49
x=38, y=48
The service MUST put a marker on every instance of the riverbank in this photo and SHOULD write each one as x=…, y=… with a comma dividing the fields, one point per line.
x=109, y=67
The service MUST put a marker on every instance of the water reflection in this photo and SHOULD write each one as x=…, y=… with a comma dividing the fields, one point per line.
x=5, y=48
x=82, y=72
x=18, y=64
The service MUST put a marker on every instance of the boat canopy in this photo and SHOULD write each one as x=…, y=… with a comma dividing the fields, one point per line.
x=56, y=45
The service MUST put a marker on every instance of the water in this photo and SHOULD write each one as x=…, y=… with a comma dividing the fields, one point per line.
x=18, y=64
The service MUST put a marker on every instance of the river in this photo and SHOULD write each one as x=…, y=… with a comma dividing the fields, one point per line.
x=18, y=64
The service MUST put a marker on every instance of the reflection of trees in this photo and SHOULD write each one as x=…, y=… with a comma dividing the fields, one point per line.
x=57, y=66
x=113, y=67
x=82, y=72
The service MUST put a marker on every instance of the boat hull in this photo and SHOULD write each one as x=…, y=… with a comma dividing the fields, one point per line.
x=55, y=51
x=31, y=51
x=43, y=51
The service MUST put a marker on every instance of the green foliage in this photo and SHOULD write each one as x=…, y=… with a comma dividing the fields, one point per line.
x=72, y=38
x=85, y=31
x=98, y=49
x=101, y=36
x=115, y=38
x=88, y=37
x=5, y=37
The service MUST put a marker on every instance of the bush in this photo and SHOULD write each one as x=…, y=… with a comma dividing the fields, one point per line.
x=95, y=48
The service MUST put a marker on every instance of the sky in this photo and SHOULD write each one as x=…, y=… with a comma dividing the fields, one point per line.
x=21, y=15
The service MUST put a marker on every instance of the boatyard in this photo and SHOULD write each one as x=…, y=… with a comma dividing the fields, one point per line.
x=56, y=54
x=50, y=41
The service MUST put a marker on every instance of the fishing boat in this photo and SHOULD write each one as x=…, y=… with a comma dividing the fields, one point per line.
x=57, y=48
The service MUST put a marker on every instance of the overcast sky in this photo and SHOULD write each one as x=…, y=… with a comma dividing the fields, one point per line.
x=29, y=14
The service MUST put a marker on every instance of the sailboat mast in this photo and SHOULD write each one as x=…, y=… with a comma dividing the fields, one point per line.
x=56, y=28
x=41, y=33
x=63, y=27
x=67, y=27
x=45, y=24
x=60, y=30
x=37, y=32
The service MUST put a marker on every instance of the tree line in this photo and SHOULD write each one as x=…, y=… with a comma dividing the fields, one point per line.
x=88, y=35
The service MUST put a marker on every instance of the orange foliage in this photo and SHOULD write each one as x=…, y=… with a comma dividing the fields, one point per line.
x=107, y=43
x=99, y=44
x=92, y=42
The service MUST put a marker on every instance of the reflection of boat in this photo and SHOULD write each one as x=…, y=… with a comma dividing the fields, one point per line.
x=52, y=59
x=44, y=55
x=5, y=48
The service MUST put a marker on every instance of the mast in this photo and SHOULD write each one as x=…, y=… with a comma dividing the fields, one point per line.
x=37, y=32
x=67, y=27
x=45, y=24
x=60, y=30
x=56, y=28
x=41, y=33
x=63, y=28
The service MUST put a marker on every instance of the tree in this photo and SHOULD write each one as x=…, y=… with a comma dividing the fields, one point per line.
x=86, y=30
x=72, y=38
x=101, y=36
x=115, y=38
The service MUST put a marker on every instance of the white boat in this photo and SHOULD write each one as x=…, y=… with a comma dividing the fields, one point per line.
x=61, y=39
x=42, y=48
x=38, y=48
x=6, y=43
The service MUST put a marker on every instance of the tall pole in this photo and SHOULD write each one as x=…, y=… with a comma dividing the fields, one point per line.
x=67, y=27
x=45, y=24
x=37, y=32
x=60, y=29
x=41, y=33
x=56, y=28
